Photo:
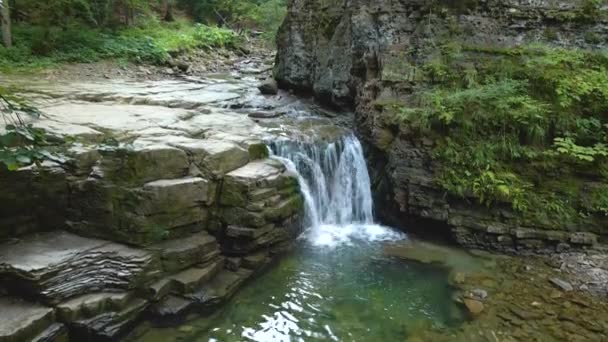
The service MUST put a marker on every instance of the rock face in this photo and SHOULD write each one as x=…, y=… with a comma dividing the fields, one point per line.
x=269, y=87
x=354, y=53
x=57, y=265
x=139, y=218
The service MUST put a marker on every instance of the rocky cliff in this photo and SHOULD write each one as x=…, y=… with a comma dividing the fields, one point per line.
x=362, y=54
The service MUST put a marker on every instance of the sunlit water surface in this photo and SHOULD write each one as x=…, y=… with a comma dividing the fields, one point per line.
x=336, y=285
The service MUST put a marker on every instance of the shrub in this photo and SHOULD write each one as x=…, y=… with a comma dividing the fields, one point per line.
x=508, y=120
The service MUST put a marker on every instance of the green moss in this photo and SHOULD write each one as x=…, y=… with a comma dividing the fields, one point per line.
x=258, y=151
x=523, y=126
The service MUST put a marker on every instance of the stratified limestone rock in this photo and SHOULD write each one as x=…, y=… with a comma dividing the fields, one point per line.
x=23, y=321
x=159, y=209
x=178, y=193
x=109, y=326
x=255, y=261
x=250, y=179
x=58, y=265
x=215, y=158
x=90, y=305
x=179, y=254
x=55, y=333
x=34, y=199
x=258, y=203
x=211, y=294
x=222, y=287
x=190, y=279
x=143, y=163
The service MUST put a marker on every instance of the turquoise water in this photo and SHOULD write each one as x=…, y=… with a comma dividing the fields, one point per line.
x=337, y=285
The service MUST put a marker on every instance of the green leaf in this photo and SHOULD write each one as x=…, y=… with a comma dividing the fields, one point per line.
x=13, y=166
x=23, y=159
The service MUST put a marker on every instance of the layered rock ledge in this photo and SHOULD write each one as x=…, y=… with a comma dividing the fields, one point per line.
x=162, y=204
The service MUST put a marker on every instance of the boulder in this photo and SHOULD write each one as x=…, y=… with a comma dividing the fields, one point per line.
x=221, y=288
x=475, y=307
x=54, y=333
x=269, y=87
x=255, y=261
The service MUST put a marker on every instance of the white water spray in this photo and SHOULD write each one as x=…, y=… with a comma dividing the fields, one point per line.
x=336, y=188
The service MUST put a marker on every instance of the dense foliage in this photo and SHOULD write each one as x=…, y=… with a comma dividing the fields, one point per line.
x=55, y=31
x=38, y=47
x=525, y=126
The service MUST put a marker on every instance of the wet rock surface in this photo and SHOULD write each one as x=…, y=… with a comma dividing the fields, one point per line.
x=137, y=219
x=22, y=321
x=57, y=265
x=511, y=298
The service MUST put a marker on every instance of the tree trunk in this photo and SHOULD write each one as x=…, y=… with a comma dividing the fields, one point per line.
x=166, y=8
x=7, y=36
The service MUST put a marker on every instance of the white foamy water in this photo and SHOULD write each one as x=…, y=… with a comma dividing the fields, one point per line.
x=329, y=235
x=336, y=188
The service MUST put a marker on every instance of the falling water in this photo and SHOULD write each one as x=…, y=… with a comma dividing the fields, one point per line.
x=333, y=178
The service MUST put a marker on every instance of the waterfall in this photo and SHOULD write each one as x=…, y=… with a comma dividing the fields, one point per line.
x=333, y=179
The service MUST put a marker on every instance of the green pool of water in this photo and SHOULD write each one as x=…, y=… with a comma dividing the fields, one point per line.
x=341, y=291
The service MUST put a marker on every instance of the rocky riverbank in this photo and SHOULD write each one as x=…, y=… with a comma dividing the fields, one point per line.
x=160, y=200
x=515, y=299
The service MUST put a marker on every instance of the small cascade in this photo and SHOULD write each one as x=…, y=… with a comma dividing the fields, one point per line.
x=333, y=179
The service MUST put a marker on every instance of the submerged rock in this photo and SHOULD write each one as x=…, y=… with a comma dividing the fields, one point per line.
x=265, y=115
x=561, y=284
x=475, y=307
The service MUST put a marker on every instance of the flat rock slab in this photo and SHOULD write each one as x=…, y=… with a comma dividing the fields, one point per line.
x=90, y=305
x=221, y=287
x=59, y=265
x=109, y=326
x=186, y=281
x=256, y=170
x=168, y=194
x=216, y=157
x=22, y=321
x=182, y=253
